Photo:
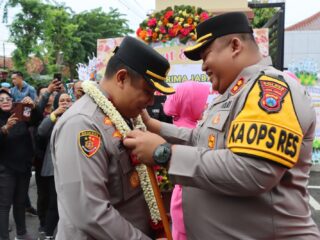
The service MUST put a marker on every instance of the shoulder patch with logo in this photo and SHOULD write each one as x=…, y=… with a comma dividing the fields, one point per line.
x=89, y=142
x=272, y=94
x=276, y=137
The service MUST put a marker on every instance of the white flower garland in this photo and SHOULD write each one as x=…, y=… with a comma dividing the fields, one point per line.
x=115, y=117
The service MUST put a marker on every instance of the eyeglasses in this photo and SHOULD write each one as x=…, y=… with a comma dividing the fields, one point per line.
x=7, y=99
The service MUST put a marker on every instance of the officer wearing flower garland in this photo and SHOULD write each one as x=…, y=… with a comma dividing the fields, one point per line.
x=99, y=194
x=246, y=169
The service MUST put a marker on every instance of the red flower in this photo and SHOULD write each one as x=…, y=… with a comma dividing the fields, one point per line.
x=149, y=33
x=138, y=31
x=185, y=31
x=168, y=14
x=162, y=29
x=156, y=167
x=152, y=22
x=134, y=160
x=156, y=226
x=204, y=16
x=159, y=178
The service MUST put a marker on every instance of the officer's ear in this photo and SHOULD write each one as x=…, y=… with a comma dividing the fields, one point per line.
x=122, y=78
x=236, y=46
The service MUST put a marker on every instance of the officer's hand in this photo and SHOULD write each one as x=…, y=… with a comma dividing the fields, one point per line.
x=143, y=145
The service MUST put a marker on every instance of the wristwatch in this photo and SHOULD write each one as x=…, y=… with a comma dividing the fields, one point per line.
x=162, y=154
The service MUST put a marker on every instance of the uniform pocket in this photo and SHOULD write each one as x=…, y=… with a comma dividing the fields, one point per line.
x=214, y=130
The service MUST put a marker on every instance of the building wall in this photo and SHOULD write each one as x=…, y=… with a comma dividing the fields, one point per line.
x=7, y=61
x=301, y=45
x=209, y=5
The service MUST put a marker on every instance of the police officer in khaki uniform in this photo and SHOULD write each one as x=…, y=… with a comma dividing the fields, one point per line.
x=99, y=195
x=246, y=178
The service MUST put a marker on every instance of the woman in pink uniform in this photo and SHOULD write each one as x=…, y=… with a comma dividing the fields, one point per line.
x=186, y=107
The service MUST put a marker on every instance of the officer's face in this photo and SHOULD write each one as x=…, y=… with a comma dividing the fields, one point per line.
x=136, y=96
x=217, y=63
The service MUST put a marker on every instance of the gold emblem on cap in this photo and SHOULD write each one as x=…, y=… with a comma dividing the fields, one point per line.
x=134, y=179
x=204, y=37
x=158, y=77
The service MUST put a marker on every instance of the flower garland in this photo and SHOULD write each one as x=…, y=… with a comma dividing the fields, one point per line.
x=108, y=108
x=167, y=24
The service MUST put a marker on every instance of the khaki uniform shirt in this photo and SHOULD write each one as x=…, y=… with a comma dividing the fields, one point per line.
x=247, y=178
x=99, y=195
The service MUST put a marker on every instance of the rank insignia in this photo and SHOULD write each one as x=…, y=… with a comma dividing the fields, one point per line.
x=107, y=121
x=271, y=95
x=89, y=142
x=237, y=86
x=116, y=134
x=216, y=119
x=211, y=141
x=134, y=179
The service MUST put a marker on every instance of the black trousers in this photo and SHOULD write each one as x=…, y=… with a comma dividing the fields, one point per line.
x=52, y=216
x=43, y=196
x=13, y=190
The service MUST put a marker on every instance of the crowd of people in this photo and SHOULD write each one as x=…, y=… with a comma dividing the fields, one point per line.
x=240, y=167
x=27, y=117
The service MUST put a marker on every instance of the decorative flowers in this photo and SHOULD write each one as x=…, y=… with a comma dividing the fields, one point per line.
x=163, y=179
x=171, y=23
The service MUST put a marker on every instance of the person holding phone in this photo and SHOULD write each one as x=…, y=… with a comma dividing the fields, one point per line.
x=61, y=103
x=15, y=165
x=44, y=105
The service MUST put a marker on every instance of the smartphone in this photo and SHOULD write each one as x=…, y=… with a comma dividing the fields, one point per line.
x=22, y=111
x=57, y=76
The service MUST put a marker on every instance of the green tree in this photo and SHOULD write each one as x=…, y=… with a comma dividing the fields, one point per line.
x=59, y=37
x=93, y=25
x=262, y=16
x=26, y=29
x=52, y=31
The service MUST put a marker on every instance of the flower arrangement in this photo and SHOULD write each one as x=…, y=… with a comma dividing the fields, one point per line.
x=167, y=24
x=163, y=179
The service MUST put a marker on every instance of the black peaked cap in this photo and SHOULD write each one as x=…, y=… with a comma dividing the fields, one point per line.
x=145, y=61
x=215, y=27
